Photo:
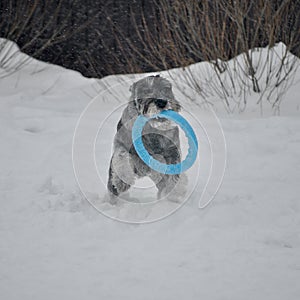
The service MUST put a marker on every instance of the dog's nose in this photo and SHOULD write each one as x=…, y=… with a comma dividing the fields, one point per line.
x=160, y=103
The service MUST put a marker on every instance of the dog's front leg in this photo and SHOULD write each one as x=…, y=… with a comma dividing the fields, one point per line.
x=121, y=174
x=172, y=187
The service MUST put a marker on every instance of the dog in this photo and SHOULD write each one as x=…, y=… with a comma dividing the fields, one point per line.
x=149, y=96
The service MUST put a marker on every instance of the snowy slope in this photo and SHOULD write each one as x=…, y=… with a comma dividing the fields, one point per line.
x=55, y=245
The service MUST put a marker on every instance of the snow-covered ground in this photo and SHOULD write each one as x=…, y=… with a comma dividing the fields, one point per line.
x=55, y=245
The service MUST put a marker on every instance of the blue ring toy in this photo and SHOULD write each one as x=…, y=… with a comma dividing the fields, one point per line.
x=154, y=164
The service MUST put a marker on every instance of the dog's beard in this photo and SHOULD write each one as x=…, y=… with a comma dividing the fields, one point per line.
x=149, y=109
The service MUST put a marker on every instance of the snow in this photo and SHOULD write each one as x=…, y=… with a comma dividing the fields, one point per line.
x=55, y=245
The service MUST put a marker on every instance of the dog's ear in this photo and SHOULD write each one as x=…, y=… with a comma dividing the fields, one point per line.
x=175, y=105
x=132, y=87
x=130, y=114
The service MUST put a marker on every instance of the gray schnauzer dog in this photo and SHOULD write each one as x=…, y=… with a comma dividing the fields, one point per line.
x=160, y=136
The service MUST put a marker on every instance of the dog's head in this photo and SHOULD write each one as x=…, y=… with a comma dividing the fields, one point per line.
x=153, y=94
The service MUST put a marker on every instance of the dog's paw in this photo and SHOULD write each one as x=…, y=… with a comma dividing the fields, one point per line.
x=111, y=199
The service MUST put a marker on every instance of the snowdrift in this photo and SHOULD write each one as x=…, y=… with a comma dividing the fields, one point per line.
x=54, y=244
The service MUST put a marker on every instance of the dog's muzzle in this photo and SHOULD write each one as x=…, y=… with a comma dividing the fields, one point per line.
x=155, y=106
x=145, y=103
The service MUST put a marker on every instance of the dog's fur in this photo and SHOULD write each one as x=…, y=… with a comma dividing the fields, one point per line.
x=149, y=96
